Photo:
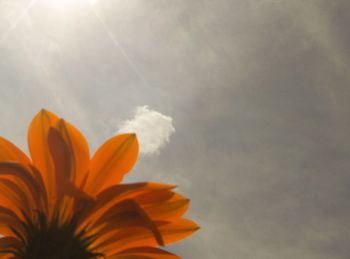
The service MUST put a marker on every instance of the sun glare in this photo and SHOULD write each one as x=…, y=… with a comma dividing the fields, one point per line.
x=64, y=4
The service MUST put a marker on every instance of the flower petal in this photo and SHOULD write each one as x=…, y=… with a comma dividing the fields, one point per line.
x=144, y=253
x=131, y=190
x=23, y=177
x=39, y=149
x=17, y=195
x=10, y=222
x=67, y=144
x=135, y=236
x=8, y=245
x=79, y=150
x=117, y=193
x=9, y=152
x=177, y=230
x=158, y=201
x=111, y=162
x=127, y=214
x=61, y=155
x=164, y=209
x=62, y=158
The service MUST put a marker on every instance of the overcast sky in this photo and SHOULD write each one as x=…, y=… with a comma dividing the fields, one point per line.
x=244, y=104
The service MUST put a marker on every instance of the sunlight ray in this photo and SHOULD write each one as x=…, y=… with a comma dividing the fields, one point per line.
x=117, y=44
x=19, y=19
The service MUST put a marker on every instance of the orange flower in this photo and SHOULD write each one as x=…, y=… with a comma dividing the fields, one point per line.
x=62, y=204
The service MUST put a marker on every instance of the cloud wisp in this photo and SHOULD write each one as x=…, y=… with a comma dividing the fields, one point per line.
x=153, y=129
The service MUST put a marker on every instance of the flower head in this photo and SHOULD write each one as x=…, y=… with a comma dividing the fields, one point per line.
x=60, y=204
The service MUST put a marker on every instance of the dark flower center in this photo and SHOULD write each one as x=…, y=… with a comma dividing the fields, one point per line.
x=55, y=241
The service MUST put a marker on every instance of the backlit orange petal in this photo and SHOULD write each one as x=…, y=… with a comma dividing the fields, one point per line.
x=78, y=147
x=169, y=209
x=162, y=204
x=144, y=253
x=62, y=158
x=60, y=154
x=154, y=196
x=177, y=230
x=118, y=193
x=111, y=162
x=22, y=177
x=19, y=196
x=134, y=237
x=41, y=187
x=7, y=244
x=128, y=214
x=8, y=198
x=9, y=152
x=10, y=221
x=62, y=149
x=131, y=190
x=39, y=149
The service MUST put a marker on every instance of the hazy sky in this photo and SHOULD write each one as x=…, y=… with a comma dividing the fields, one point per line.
x=244, y=104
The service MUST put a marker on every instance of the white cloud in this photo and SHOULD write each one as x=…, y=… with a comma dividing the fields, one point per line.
x=153, y=129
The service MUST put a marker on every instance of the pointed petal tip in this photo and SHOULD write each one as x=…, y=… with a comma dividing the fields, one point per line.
x=171, y=186
x=43, y=110
x=131, y=135
x=162, y=185
x=43, y=113
x=195, y=227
